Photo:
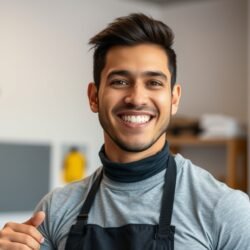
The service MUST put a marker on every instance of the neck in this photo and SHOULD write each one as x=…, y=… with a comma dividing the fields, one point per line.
x=137, y=170
x=115, y=154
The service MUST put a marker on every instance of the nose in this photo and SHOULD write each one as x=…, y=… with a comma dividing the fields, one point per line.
x=137, y=95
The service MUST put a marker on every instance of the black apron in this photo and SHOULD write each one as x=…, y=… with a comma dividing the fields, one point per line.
x=83, y=236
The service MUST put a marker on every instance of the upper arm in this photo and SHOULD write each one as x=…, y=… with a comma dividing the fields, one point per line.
x=231, y=222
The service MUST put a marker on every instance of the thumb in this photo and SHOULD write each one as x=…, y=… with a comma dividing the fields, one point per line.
x=36, y=220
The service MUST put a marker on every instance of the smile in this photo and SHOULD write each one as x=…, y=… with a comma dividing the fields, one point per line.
x=137, y=119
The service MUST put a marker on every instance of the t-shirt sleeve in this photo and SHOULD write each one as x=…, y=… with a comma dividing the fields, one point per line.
x=231, y=222
x=44, y=205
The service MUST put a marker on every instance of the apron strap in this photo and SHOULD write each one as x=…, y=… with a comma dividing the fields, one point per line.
x=83, y=216
x=165, y=227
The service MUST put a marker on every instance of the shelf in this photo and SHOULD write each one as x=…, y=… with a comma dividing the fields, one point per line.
x=236, y=155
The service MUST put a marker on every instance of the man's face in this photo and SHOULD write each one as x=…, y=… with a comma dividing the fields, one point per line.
x=134, y=100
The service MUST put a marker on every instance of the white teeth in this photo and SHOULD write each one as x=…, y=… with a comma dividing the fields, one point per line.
x=136, y=118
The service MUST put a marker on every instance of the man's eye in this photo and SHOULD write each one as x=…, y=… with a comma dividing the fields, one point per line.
x=119, y=83
x=155, y=83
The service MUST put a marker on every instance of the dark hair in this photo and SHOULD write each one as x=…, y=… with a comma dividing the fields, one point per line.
x=134, y=29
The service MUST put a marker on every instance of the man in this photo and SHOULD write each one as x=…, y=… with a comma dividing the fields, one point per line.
x=142, y=197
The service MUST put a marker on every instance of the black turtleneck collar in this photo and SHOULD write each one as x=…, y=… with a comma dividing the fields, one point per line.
x=137, y=170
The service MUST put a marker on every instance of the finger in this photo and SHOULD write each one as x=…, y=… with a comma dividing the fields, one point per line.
x=36, y=220
x=20, y=238
x=5, y=245
x=11, y=228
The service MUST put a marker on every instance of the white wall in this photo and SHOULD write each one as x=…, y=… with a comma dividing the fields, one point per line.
x=45, y=68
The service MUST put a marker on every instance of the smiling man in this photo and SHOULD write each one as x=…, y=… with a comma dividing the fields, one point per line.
x=134, y=101
x=143, y=197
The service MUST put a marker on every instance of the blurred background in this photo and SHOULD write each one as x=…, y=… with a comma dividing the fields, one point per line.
x=46, y=64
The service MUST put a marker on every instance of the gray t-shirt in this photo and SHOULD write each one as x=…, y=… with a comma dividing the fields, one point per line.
x=207, y=213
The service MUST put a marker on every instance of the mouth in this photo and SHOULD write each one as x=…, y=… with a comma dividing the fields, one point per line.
x=135, y=119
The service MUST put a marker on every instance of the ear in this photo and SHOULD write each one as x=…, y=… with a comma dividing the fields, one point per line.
x=93, y=97
x=176, y=96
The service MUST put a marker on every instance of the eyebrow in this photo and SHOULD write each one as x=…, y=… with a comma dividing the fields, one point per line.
x=127, y=73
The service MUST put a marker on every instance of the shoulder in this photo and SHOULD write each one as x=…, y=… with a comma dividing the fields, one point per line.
x=200, y=182
x=62, y=206
x=213, y=206
x=69, y=194
x=198, y=189
x=197, y=179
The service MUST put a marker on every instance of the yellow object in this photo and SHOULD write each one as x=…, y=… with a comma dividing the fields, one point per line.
x=74, y=166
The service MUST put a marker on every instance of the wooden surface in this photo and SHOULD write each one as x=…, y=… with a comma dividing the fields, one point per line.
x=236, y=155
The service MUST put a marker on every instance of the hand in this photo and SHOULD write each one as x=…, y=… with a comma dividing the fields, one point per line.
x=23, y=236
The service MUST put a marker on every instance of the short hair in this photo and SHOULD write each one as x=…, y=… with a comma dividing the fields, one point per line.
x=134, y=29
